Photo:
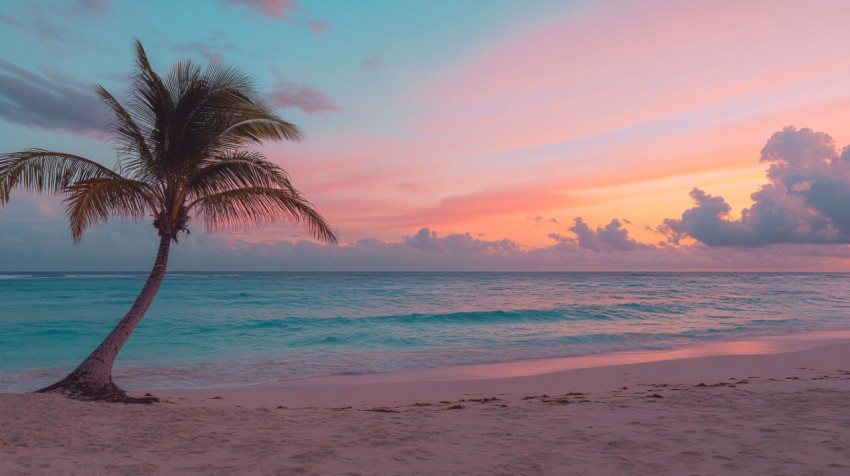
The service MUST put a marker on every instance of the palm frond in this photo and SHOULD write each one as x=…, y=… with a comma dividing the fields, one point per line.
x=128, y=134
x=246, y=208
x=181, y=142
x=224, y=116
x=98, y=200
x=46, y=171
x=261, y=126
x=234, y=170
x=152, y=104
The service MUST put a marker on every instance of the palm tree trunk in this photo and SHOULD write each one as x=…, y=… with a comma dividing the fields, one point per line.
x=92, y=379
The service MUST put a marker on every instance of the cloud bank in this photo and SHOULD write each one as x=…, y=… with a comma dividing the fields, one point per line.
x=35, y=237
x=807, y=199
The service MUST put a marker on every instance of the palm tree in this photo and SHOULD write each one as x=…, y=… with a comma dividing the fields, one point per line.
x=181, y=145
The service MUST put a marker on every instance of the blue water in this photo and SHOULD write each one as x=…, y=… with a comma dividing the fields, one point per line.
x=229, y=329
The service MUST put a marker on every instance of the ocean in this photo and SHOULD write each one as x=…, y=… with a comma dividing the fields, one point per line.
x=237, y=329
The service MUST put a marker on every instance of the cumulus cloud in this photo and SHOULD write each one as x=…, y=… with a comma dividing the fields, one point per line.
x=611, y=238
x=287, y=94
x=807, y=199
x=50, y=102
x=460, y=244
x=34, y=236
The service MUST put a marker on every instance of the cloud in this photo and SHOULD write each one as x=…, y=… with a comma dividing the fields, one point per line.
x=538, y=220
x=34, y=236
x=279, y=9
x=371, y=63
x=289, y=11
x=318, y=27
x=50, y=102
x=85, y=7
x=611, y=238
x=807, y=199
x=11, y=21
x=288, y=94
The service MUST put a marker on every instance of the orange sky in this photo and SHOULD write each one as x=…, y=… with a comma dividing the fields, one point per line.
x=515, y=126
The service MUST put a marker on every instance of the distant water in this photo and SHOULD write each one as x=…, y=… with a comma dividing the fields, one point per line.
x=229, y=329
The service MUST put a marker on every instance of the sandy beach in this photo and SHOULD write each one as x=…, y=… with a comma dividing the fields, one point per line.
x=779, y=413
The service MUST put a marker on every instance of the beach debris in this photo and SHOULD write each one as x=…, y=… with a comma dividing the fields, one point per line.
x=701, y=384
x=654, y=395
x=281, y=407
x=216, y=398
x=380, y=410
x=422, y=404
x=455, y=407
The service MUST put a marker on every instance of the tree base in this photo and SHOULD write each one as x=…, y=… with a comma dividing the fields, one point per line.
x=81, y=389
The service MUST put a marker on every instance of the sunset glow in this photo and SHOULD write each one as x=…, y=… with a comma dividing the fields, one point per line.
x=508, y=124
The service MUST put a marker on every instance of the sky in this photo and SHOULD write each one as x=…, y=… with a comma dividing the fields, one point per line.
x=476, y=135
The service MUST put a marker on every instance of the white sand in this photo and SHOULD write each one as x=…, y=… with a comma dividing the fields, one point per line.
x=773, y=414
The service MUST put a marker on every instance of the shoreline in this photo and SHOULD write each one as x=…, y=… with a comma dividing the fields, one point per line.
x=768, y=413
x=595, y=371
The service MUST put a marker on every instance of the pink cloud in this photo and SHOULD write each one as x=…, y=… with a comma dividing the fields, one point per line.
x=318, y=27
x=288, y=11
x=287, y=94
x=279, y=9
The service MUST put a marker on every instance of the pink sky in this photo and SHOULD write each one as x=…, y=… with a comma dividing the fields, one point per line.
x=615, y=110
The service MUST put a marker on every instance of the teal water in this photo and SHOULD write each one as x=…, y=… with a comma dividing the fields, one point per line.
x=233, y=329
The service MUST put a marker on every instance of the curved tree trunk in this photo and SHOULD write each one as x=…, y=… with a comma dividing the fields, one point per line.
x=92, y=379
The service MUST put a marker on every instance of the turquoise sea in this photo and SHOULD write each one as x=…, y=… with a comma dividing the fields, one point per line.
x=235, y=329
